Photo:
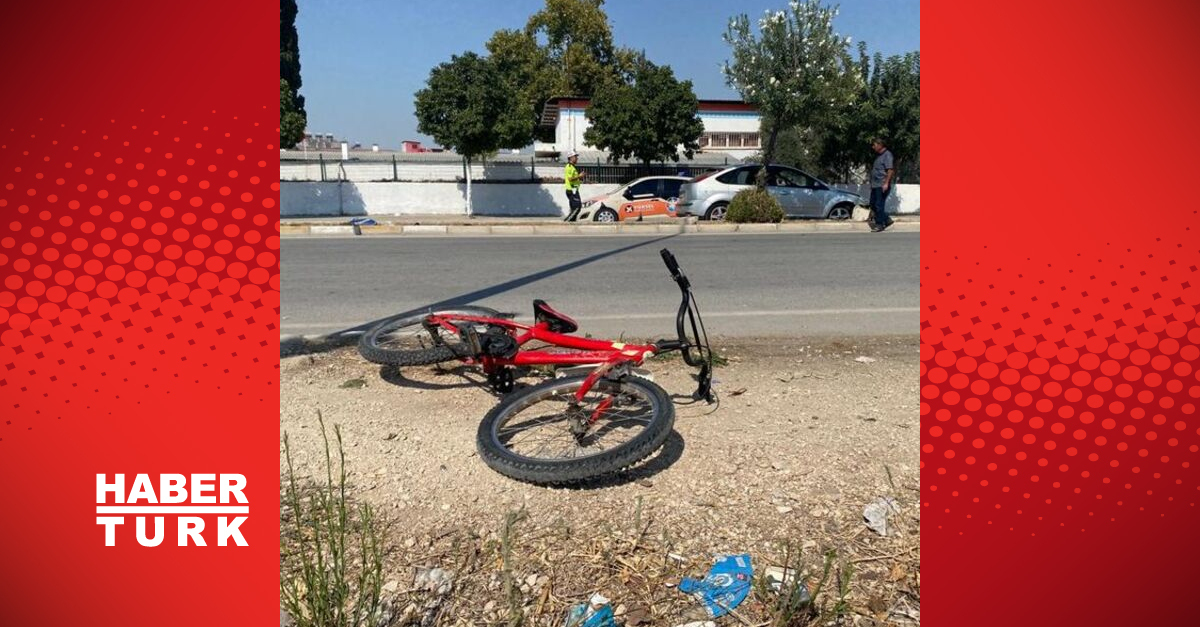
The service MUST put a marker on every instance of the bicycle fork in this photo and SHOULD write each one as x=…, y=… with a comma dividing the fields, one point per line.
x=579, y=418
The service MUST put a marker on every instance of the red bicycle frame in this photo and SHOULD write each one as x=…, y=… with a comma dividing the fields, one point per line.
x=604, y=353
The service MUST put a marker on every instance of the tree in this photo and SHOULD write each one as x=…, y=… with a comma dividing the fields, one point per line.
x=565, y=49
x=292, y=118
x=649, y=118
x=525, y=69
x=893, y=109
x=797, y=70
x=468, y=107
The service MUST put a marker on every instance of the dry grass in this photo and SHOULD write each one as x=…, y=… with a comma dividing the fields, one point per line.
x=529, y=570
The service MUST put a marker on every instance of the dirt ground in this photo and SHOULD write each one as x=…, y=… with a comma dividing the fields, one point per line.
x=805, y=435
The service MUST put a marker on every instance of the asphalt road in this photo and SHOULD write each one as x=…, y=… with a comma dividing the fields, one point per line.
x=785, y=285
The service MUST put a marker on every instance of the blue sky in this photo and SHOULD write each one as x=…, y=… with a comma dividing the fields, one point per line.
x=362, y=61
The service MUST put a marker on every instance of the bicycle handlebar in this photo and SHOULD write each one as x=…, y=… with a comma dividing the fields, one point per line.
x=673, y=268
x=684, y=307
x=702, y=357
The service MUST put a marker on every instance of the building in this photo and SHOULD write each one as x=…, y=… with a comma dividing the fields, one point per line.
x=412, y=145
x=730, y=127
x=319, y=141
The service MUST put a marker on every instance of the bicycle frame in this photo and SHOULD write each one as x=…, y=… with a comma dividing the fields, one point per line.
x=604, y=353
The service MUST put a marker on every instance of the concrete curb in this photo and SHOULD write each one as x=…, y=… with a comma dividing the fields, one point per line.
x=443, y=230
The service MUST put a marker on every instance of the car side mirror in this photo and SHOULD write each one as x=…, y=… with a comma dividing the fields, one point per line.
x=628, y=193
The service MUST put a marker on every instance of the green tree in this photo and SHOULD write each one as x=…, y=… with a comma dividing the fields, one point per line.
x=893, y=110
x=565, y=49
x=796, y=69
x=649, y=118
x=292, y=118
x=887, y=104
x=467, y=106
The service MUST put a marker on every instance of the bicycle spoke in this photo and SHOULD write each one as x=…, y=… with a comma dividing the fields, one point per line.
x=541, y=429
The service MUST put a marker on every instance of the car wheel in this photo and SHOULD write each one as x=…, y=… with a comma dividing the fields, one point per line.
x=716, y=212
x=606, y=215
x=841, y=212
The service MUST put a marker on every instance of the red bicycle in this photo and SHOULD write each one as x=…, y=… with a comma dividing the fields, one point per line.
x=564, y=430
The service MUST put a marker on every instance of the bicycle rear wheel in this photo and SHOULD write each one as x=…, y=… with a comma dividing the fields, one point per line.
x=529, y=436
x=405, y=340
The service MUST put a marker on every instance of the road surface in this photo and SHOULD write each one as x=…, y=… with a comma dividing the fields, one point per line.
x=784, y=285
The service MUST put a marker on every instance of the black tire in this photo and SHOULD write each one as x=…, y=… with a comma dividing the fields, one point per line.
x=575, y=469
x=717, y=211
x=372, y=347
x=844, y=211
x=607, y=213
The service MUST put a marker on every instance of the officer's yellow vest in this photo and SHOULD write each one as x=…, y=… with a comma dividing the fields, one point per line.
x=571, y=177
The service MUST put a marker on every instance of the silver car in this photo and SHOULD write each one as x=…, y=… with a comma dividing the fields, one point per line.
x=800, y=195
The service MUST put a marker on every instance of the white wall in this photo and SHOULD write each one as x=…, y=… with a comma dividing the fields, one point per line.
x=298, y=199
x=904, y=199
x=515, y=199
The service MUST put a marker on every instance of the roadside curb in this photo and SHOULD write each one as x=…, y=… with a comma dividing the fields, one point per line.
x=444, y=230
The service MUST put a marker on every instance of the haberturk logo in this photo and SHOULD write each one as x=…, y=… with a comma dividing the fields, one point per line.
x=199, y=505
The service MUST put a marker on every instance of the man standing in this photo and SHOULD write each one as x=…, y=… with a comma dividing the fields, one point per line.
x=882, y=175
x=571, y=178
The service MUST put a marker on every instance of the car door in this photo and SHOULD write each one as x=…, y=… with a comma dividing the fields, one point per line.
x=802, y=188
x=786, y=191
x=641, y=197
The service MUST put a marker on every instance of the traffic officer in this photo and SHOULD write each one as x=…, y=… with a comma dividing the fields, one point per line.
x=571, y=178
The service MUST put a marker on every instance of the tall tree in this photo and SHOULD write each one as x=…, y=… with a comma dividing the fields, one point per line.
x=887, y=105
x=796, y=69
x=292, y=118
x=893, y=109
x=649, y=118
x=565, y=49
x=467, y=106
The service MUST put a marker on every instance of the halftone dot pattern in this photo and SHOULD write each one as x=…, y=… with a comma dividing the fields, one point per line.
x=1040, y=415
x=127, y=274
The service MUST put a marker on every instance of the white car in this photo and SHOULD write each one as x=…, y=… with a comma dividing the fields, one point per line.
x=647, y=197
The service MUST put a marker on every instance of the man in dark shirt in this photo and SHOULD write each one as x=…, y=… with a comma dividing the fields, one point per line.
x=882, y=174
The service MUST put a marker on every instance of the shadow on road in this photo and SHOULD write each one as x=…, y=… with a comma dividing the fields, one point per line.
x=294, y=346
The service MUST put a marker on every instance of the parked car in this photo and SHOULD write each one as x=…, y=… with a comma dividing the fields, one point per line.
x=801, y=195
x=651, y=196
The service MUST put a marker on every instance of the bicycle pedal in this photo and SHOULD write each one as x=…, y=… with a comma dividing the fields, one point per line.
x=502, y=380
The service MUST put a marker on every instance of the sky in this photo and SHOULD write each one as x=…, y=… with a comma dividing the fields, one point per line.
x=361, y=62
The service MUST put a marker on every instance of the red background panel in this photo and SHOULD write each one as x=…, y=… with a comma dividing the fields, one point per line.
x=139, y=281
x=1059, y=294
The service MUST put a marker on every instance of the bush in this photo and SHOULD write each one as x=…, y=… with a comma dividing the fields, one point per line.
x=754, y=205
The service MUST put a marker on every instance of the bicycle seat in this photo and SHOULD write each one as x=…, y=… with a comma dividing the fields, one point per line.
x=558, y=322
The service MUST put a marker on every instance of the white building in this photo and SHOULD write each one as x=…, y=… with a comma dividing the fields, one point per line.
x=731, y=127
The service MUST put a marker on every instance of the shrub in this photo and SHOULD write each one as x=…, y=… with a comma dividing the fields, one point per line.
x=754, y=205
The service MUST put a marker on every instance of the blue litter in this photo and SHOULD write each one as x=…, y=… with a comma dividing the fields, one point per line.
x=363, y=222
x=596, y=613
x=725, y=587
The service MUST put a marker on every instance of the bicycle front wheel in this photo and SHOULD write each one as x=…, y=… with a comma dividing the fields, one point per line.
x=535, y=435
